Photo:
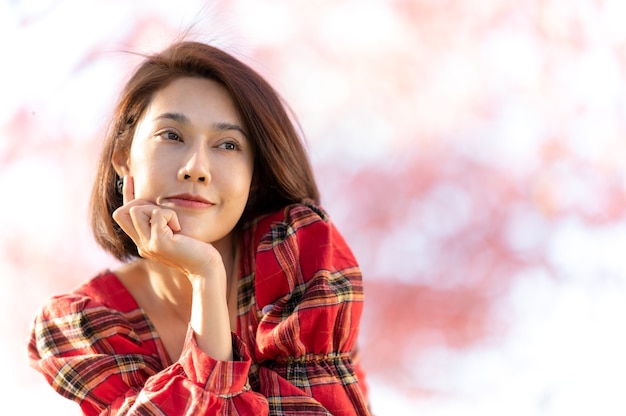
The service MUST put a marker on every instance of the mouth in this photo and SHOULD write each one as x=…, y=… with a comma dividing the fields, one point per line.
x=189, y=201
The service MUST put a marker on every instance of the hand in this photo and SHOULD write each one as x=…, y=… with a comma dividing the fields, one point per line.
x=157, y=233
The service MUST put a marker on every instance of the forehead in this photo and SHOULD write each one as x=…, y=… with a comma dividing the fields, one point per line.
x=197, y=98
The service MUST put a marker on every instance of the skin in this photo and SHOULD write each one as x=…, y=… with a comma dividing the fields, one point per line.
x=187, y=178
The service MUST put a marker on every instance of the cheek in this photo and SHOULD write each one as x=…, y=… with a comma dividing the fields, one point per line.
x=235, y=179
x=244, y=183
x=238, y=192
x=144, y=187
x=146, y=177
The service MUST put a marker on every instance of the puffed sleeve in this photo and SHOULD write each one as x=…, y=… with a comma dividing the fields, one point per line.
x=92, y=354
x=309, y=294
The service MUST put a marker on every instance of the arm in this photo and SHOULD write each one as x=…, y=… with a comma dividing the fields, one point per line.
x=159, y=238
x=90, y=354
x=106, y=361
x=308, y=285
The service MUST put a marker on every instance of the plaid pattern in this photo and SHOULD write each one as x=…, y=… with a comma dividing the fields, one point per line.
x=299, y=305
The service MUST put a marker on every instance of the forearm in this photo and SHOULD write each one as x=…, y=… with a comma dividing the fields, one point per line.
x=209, y=318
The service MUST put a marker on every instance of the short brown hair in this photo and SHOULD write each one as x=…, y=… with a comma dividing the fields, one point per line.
x=282, y=171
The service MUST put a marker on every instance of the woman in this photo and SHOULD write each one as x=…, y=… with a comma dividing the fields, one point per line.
x=237, y=295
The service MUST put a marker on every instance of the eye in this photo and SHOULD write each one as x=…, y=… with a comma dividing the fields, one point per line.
x=170, y=135
x=230, y=145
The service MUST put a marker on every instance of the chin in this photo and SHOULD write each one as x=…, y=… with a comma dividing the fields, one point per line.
x=200, y=231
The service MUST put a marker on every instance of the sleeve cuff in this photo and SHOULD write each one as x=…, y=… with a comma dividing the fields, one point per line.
x=223, y=378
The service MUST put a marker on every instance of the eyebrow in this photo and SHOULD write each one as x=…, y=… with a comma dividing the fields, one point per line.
x=220, y=126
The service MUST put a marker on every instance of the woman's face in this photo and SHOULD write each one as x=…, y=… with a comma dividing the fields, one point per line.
x=190, y=153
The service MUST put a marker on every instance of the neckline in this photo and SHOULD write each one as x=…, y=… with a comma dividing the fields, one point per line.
x=124, y=296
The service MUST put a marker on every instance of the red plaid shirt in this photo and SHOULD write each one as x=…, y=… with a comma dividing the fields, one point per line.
x=300, y=300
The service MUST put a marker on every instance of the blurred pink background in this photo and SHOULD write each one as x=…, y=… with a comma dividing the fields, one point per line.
x=472, y=153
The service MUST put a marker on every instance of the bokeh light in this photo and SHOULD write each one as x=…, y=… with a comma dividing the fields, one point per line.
x=471, y=153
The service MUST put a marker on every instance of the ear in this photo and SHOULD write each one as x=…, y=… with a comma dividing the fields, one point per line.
x=120, y=163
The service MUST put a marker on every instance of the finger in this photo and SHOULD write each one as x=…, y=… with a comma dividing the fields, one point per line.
x=125, y=221
x=140, y=216
x=164, y=224
x=172, y=248
x=172, y=221
x=165, y=219
x=123, y=217
x=128, y=191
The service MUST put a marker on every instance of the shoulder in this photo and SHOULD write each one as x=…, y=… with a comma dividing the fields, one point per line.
x=294, y=214
x=104, y=289
x=304, y=212
x=298, y=219
x=298, y=242
x=95, y=310
x=302, y=228
x=76, y=300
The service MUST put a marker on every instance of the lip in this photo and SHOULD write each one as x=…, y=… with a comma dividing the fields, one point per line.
x=189, y=201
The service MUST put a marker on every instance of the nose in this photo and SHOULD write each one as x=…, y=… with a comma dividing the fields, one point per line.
x=195, y=169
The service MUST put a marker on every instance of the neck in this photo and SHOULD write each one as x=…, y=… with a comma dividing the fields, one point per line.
x=169, y=285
